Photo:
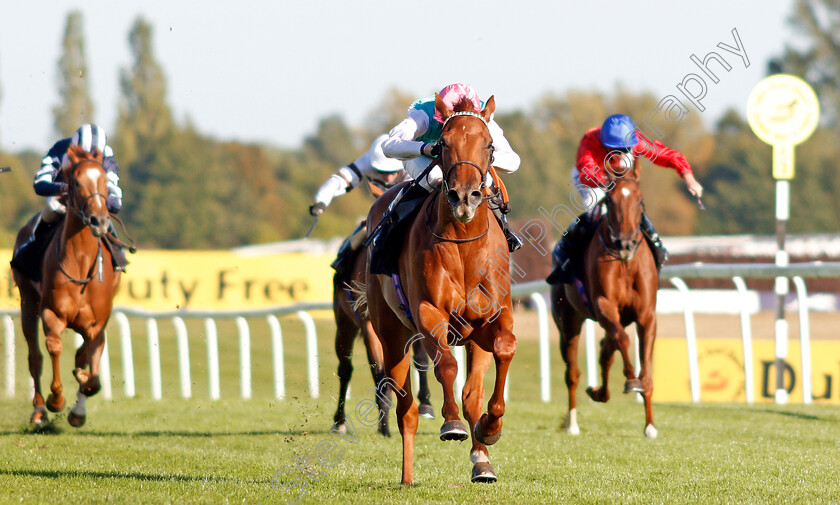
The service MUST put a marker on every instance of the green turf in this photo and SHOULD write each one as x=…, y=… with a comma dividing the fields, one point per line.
x=200, y=451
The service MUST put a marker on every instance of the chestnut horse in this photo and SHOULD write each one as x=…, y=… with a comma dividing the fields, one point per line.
x=77, y=287
x=349, y=322
x=444, y=265
x=620, y=281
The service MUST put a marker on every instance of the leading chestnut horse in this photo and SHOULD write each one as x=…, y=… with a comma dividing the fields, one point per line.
x=620, y=282
x=446, y=267
x=77, y=287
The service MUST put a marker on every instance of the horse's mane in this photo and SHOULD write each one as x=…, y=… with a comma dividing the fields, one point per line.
x=464, y=105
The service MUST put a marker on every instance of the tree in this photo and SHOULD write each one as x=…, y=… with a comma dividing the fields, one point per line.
x=76, y=106
x=819, y=63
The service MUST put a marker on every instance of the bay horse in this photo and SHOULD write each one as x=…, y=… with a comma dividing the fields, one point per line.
x=445, y=266
x=620, y=282
x=76, y=290
x=349, y=323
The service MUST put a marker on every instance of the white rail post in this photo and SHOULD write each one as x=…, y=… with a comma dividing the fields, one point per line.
x=746, y=339
x=804, y=338
x=9, y=346
x=311, y=351
x=105, y=371
x=545, y=358
x=690, y=339
x=277, y=355
x=591, y=354
x=212, y=358
x=154, y=357
x=127, y=355
x=183, y=356
x=244, y=357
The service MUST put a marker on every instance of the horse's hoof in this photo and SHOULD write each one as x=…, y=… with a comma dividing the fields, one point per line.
x=53, y=406
x=385, y=431
x=486, y=439
x=76, y=421
x=596, y=394
x=483, y=472
x=339, y=428
x=426, y=410
x=454, y=430
x=39, y=417
x=650, y=431
x=633, y=386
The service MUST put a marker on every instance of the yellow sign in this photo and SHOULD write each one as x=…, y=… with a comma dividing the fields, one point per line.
x=222, y=280
x=721, y=367
x=783, y=111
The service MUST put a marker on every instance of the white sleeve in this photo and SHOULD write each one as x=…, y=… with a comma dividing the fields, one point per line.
x=345, y=180
x=334, y=186
x=364, y=166
x=503, y=156
x=401, y=144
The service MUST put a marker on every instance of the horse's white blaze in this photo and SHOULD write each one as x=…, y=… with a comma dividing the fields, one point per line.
x=571, y=424
x=650, y=431
x=93, y=174
x=79, y=407
x=625, y=191
x=477, y=456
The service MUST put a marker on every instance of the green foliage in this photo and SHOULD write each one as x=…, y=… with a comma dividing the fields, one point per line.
x=75, y=106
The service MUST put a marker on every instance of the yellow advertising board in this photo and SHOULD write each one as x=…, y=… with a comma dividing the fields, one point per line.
x=222, y=280
x=721, y=367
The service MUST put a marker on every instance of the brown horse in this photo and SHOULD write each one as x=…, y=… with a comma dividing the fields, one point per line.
x=77, y=287
x=446, y=265
x=349, y=323
x=620, y=281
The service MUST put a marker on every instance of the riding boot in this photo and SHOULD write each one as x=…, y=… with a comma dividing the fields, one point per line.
x=513, y=240
x=578, y=231
x=660, y=254
x=118, y=258
x=343, y=262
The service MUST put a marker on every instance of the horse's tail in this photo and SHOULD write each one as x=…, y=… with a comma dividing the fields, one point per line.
x=360, y=305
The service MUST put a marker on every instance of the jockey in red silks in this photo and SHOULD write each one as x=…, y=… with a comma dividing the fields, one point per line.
x=413, y=141
x=617, y=143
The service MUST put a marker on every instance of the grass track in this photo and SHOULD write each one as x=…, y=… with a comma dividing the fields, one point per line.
x=199, y=451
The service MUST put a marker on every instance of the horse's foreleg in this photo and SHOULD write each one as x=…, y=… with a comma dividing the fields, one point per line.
x=646, y=329
x=610, y=320
x=53, y=326
x=489, y=427
x=421, y=358
x=89, y=383
x=434, y=326
x=478, y=361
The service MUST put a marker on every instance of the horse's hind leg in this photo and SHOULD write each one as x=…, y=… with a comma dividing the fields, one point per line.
x=345, y=335
x=478, y=361
x=569, y=322
x=29, y=325
x=647, y=333
x=53, y=326
x=602, y=393
x=377, y=369
x=421, y=358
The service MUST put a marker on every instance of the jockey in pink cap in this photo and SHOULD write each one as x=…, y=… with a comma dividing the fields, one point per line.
x=412, y=142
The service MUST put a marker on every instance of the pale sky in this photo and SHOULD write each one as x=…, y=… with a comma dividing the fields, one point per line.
x=266, y=71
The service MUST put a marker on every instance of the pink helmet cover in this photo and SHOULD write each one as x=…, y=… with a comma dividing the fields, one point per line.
x=453, y=94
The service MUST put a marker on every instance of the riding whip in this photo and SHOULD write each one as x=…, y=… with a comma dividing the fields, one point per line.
x=314, y=222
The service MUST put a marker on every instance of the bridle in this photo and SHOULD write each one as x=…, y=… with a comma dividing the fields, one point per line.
x=73, y=200
x=80, y=212
x=444, y=186
x=611, y=245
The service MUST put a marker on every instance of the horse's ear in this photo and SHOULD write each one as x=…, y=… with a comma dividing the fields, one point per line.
x=489, y=108
x=441, y=107
x=73, y=155
x=636, y=172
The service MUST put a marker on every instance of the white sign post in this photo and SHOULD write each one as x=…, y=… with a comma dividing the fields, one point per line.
x=783, y=111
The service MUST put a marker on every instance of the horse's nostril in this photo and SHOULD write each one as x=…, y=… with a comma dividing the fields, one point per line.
x=476, y=194
x=94, y=221
x=452, y=196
